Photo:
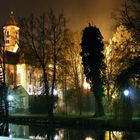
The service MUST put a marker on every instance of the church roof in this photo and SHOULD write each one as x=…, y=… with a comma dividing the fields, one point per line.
x=11, y=20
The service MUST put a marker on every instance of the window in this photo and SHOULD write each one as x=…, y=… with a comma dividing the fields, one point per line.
x=7, y=41
x=7, y=34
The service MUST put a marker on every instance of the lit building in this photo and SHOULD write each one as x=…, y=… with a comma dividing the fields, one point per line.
x=19, y=72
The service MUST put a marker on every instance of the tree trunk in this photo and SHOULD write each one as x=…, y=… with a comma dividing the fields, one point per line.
x=54, y=78
x=46, y=87
x=99, y=110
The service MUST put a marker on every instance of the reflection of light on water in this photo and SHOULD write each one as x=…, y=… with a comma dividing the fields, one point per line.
x=10, y=136
x=61, y=134
x=113, y=135
x=89, y=138
x=37, y=137
x=58, y=136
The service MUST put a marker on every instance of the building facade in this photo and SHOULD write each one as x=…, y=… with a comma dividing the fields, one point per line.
x=18, y=71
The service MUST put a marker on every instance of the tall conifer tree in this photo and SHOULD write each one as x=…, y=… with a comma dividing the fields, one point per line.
x=92, y=58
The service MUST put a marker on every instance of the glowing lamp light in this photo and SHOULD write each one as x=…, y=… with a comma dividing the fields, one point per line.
x=56, y=137
x=10, y=97
x=126, y=92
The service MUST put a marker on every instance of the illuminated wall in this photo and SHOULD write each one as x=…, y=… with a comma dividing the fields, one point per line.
x=21, y=75
x=11, y=74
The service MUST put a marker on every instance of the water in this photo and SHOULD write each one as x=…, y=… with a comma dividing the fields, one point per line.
x=38, y=132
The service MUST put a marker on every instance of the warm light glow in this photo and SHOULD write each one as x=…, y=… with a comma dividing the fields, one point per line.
x=15, y=49
x=89, y=138
x=86, y=85
x=50, y=66
x=21, y=68
x=11, y=37
x=114, y=96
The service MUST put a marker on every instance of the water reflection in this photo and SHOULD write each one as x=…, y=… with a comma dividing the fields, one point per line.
x=49, y=133
x=18, y=131
x=4, y=129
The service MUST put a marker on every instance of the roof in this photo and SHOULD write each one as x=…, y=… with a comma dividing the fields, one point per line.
x=11, y=20
x=20, y=91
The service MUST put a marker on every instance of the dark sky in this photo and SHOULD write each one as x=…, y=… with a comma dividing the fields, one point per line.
x=78, y=12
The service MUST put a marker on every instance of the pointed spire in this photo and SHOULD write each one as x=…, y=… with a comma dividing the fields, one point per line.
x=11, y=19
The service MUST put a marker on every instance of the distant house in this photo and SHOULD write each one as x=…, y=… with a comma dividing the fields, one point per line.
x=18, y=100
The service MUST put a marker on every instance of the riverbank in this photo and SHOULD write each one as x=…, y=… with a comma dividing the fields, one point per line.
x=76, y=122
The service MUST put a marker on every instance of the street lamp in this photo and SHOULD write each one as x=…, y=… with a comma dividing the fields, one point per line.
x=126, y=92
x=10, y=98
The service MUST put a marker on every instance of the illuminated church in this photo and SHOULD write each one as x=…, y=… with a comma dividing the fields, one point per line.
x=21, y=75
x=18, y=71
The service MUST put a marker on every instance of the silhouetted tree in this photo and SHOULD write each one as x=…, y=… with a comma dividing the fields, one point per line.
x=33, y=44
x=92, y=58
x=3, y=87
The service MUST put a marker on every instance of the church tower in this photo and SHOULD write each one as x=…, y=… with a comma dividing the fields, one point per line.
x=11, y=35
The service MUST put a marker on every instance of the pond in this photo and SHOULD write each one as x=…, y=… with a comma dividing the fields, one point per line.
x=39, y=132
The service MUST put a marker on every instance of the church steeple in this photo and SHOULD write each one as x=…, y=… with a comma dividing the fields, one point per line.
x=12, y=19
x=11, y=34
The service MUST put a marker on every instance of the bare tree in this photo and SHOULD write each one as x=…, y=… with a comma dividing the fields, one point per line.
x=33, y=43
x=43, y=38
x=57, y=33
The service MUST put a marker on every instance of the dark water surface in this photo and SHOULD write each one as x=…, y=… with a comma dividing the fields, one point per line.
x=39, y=132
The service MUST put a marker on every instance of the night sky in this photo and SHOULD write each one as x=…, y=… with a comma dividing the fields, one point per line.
x=78, y=12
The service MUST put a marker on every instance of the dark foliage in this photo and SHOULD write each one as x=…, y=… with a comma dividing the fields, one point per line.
x=39, y=104
x=133, y=70
x=92, y=58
